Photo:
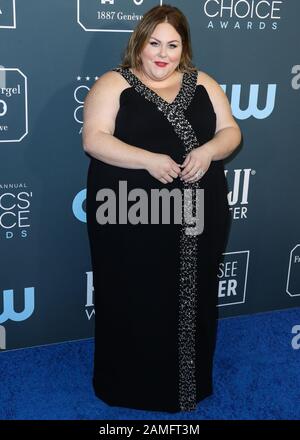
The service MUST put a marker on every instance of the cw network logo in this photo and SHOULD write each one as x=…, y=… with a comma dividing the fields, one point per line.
x=9, y=312
x=251, y=108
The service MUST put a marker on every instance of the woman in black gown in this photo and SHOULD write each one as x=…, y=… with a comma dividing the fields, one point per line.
x=156, y=124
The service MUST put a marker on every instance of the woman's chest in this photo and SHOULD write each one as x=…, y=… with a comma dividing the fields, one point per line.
x=140, y=120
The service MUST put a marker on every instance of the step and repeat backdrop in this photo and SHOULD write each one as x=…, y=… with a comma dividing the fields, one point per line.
x=51, y=53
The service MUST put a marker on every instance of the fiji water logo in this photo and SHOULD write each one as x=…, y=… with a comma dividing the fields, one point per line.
x=239, y=181
x=293, y=277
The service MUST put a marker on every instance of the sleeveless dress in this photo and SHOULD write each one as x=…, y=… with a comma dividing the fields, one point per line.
x=155, y=282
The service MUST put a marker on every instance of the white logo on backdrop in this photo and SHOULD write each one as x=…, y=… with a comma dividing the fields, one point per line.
x=90, y=311
x=15, y=210
x=239, y=181
x=233, y=272
x=242, y=14
x=112, y=15
x=293, y=277
x=13, y=105
x=8, y=14
x=79, y=94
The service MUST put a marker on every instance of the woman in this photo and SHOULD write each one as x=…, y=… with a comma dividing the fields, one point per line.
x=156, y=123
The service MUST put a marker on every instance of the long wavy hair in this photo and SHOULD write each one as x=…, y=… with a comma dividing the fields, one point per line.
x=142, y=33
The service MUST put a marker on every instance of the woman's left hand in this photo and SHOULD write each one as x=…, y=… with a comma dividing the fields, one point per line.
x=199, y=159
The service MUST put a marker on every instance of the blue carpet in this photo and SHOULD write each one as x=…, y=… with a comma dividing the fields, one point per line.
x=256, y=377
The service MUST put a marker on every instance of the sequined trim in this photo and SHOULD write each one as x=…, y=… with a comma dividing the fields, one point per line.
x=174, y=112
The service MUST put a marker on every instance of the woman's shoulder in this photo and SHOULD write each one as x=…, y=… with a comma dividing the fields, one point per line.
x=207, y=81
x=112, y=81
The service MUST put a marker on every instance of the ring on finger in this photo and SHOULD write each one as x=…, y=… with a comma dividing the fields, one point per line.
x=199, y=174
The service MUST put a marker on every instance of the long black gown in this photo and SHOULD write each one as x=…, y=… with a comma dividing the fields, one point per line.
x=155, y=286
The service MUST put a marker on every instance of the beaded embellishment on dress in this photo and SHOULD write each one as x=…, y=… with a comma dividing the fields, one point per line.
x=174, y=112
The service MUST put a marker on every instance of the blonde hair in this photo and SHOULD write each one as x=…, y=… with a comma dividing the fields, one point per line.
x=159, y=14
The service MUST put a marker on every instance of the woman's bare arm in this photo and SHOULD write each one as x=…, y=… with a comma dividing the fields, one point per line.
x=100, y=110
x=228, y=134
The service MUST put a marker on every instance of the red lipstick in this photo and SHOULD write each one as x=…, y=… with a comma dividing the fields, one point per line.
x=160, y=63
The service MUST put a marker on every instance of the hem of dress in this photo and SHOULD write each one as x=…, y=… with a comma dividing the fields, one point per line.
x=171, y=410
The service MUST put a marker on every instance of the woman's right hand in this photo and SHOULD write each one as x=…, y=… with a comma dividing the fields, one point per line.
x=162, y=167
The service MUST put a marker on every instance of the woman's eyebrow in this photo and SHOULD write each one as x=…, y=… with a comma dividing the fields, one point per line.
x=168, y=41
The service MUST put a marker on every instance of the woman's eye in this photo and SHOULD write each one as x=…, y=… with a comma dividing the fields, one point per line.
x=155, y=43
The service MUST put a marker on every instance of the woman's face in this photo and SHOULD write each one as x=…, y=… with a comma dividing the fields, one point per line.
x=162, y=52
